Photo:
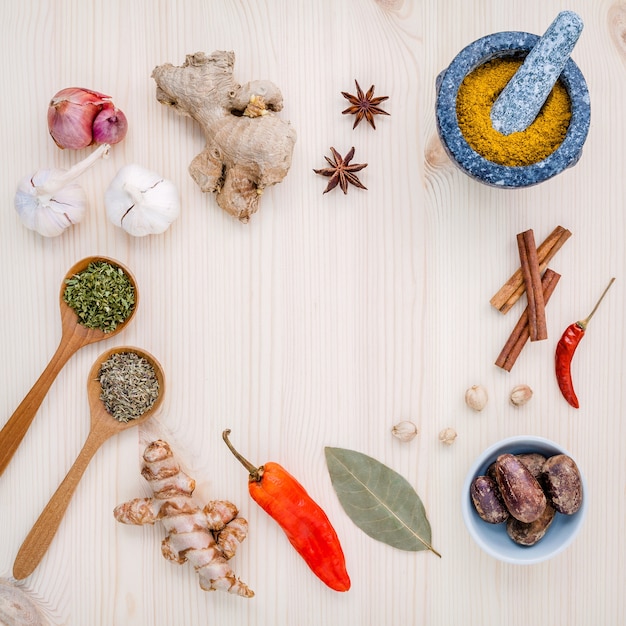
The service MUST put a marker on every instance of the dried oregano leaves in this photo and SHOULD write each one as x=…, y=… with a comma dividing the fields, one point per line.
x=102, y=295
x=379, y=500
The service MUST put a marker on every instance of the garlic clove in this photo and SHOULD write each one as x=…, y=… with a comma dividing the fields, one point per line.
x=476, y=397
x=141, y=202
x=405, y=431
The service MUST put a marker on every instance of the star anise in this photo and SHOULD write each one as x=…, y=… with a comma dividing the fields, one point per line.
x=364, y=105
x=341, y=172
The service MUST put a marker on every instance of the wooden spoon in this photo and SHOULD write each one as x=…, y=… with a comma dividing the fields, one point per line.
x=73, y=337
x=103, y=426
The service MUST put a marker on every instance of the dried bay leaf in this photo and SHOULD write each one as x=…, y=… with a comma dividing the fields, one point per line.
x=378, y=500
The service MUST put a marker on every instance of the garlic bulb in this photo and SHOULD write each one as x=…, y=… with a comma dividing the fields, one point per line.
x=141, y=202
x=49, y=202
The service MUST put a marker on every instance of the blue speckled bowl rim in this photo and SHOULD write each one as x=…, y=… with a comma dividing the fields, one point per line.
x=448, y=82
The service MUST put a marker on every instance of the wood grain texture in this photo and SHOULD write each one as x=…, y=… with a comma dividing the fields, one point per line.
x=324, y=321
x=103, y=426
x=74, y=336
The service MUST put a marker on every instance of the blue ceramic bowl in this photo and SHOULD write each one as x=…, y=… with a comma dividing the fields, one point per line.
x=493, y=538
x=510, y=43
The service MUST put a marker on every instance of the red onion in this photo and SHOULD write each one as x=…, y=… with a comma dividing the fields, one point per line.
x=79, y=117
x=110, y=125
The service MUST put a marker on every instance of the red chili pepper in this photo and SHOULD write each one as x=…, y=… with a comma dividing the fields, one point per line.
x=306, y=525
x=565, y=349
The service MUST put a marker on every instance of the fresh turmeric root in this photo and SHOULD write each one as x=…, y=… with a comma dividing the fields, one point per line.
x=206, y=537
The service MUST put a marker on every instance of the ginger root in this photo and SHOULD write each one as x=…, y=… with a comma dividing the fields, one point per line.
x=206, y=537
x=248, y=147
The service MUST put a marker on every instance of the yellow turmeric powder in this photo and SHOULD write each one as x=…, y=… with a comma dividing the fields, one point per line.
x=476, y=95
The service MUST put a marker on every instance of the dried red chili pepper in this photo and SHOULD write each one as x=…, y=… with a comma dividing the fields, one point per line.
x=565, y=349
x=306, y=525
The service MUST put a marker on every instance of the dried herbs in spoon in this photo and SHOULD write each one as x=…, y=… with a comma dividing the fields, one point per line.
x=102, y=295
x=129, y=385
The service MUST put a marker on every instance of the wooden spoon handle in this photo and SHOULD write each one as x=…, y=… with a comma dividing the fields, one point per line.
x=42, y=533
x=14, y=430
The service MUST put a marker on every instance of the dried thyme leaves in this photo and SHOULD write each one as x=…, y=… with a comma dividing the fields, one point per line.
x=102, y=295
x=129, y=385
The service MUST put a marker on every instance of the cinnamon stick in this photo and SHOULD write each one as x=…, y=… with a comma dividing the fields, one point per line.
x=512, y=290
x=520, y=335
x=537, y=327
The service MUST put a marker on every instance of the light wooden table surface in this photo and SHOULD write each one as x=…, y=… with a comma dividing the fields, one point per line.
x=324, y=321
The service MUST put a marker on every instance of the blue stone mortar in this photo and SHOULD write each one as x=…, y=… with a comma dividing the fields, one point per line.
x=497, y=45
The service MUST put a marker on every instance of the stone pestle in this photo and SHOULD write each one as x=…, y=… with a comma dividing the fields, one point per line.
x=524, y=95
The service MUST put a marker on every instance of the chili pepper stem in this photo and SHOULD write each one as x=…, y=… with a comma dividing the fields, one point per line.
x=255, y=472
x=583, y=323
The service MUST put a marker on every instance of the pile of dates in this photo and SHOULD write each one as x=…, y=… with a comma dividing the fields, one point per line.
x=526, y=491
